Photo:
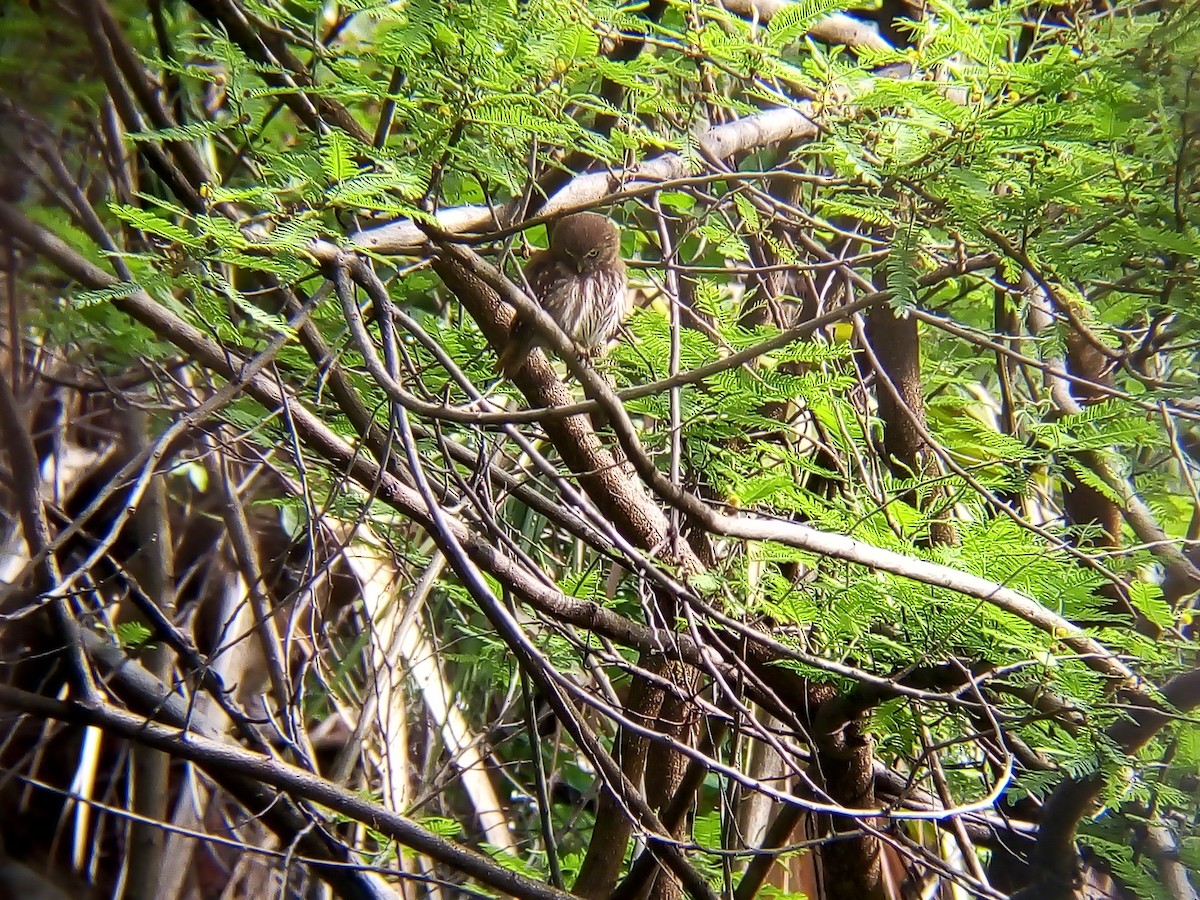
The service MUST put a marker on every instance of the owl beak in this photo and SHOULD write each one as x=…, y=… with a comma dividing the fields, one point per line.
x=579, y=265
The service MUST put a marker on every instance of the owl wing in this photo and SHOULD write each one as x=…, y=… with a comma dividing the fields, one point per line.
x=541, y=273
x=550, y=283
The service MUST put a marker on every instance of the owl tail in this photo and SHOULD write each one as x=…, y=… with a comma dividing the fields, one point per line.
x=520, y=344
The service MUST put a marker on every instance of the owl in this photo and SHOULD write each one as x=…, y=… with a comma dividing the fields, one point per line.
x=580, y=281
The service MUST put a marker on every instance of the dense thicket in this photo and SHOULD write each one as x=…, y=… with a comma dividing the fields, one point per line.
x=861, y=566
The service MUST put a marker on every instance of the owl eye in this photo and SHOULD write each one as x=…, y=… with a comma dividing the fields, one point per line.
x=593, y=253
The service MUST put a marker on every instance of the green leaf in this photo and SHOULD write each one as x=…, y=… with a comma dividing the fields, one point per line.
x=133, y=635
x=902, y=271
x=793, y=20
x=104, y=295
x=153, y=224
x=337, y=156
x=1147, y=598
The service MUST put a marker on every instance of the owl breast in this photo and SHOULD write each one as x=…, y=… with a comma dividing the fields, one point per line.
x=589, y=307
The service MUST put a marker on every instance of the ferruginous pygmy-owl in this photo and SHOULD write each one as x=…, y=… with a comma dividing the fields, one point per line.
x=580, y=282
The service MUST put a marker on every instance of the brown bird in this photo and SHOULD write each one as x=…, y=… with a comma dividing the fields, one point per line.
x=580, y=281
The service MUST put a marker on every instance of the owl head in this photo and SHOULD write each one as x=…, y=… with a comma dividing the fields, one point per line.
x=585, y=242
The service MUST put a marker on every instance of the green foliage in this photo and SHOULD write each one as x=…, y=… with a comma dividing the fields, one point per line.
x=133, y=635
x=1135, y=870
x=441, y=826
x=1065, y=167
